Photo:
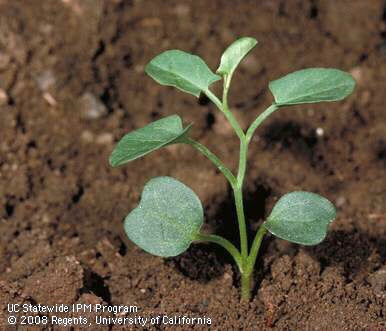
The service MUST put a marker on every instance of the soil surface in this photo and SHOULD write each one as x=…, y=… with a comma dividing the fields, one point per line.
x=72, y=83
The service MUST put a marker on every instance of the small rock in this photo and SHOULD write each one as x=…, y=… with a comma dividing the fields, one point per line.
x=87, y=136
x=319, y=132
x=340, y=201
x=50, y=99
x=3, y=97
x=104, y=139
x=356, y=72
x=91, y=107
x=142, y=290
x=182, y=10
x=139, y=68
x=45, y=80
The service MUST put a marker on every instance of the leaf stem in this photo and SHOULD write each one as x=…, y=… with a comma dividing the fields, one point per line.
x=242, y=226
x=256, y=123
x=212, y=157
x=225, y=244
x=238, y=193
x=255, y=248
x=225, y=110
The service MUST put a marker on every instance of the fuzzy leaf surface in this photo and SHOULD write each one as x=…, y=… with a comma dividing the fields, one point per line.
x=142, y=141
x=167, y=219
x=301, y=217
x=187, y=72
x=234, y=54
x=312, y=85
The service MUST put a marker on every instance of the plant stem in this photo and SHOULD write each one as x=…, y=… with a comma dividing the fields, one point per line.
x=256, y=123
x=245, y=260
x=245, y=286
x=232, y=250
x=225, y=110
x=255, y=248
x=212, y=157
x=242, y=226
x=238, y=193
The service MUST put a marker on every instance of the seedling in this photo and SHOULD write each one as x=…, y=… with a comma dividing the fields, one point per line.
x=170, y=215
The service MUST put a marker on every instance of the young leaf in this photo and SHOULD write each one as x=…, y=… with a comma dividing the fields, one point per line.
x=153, y=136
x=301, y=217
x=187, y=72
x=312, y=85
x=167, y=219
x=234, y=54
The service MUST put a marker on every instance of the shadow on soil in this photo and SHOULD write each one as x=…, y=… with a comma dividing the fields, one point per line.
x=203, y=262
x=350, y=251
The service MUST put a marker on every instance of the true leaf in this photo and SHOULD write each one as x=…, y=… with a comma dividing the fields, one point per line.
x=301, y=217
x=187, y=72
x=167, y=219
x=142, y=141
x=312, y=85
x=234, y=54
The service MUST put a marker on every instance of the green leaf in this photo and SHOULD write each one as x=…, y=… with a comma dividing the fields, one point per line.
x=167, y=219
x=312, y=85
x=187, y=72
x=135, y=144
x=234, y=54
x=301, y=217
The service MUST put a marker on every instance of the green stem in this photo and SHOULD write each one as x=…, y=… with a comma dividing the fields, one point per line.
x=256, y=123
x=212, y=157
x=242, y=226
x=225, y=110
x=245, y=260
x=245, y=286
x=255, y=248
x=238, y=193
x=224, y=243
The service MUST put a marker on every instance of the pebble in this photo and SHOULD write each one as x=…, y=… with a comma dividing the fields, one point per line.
x=104, y=139
x=50, y=99
x=3, y=97
x=45, y=80
x=87, y=136
x=91, y=107
x=340, y=201
x=182, y=10
x=357, y=73
x=319, y=132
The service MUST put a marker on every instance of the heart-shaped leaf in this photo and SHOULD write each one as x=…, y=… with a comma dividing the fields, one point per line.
x=301, y=217
x=135, y=144
x=234, y=54
x=312, y=85
x=187, y=72
x=167, y=219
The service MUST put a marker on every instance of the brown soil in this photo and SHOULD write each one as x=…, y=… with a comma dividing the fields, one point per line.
x=62, y=206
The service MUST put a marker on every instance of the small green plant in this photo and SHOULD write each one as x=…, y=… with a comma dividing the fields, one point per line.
x=169, y=216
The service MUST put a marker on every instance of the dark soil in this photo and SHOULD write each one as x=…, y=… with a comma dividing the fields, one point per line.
x=72, y=83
